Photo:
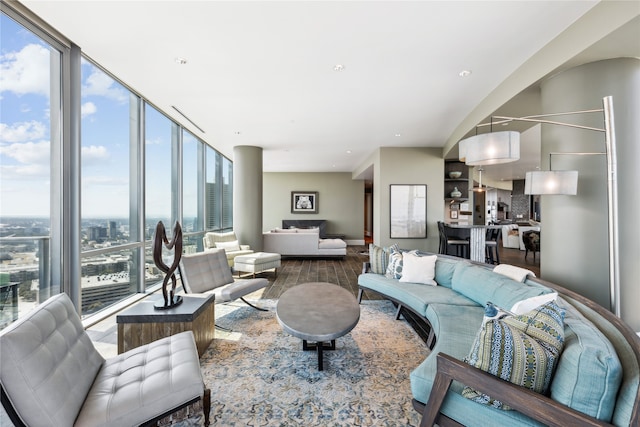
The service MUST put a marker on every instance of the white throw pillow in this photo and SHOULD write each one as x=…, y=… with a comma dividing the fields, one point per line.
x=532, y=303
x=518, y=274
x=419, y=269
x=228, y=246
x=286, y=230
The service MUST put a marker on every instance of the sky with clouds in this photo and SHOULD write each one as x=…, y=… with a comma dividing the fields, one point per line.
x=25, y=65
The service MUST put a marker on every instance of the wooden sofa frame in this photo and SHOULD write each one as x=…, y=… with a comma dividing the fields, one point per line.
x=534, y=405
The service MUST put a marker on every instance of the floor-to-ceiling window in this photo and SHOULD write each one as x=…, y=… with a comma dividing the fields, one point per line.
x=157, y=160
x=192, y=192
x=108, y=188
x=218, y=191
x=87, y=168
x=30, y=97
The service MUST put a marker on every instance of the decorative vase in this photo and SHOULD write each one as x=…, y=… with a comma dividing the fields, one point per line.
x=456, y=193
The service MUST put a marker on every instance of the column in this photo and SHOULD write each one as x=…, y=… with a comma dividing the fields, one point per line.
x=247, y=195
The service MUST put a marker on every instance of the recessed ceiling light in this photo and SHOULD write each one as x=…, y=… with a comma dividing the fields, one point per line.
x=464, y=73
x=348, y=151
x=398, y=135
x=338, y=67
x=180, y=61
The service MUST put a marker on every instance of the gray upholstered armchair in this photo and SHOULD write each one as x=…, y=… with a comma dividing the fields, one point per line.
x=52, y=375
x=208, y=272
x=227, y=241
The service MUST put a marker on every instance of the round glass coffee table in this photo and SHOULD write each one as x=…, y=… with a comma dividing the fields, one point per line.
x=318, y=312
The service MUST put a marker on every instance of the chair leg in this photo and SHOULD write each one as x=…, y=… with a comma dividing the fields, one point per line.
x=206, y=405
x=253, y=306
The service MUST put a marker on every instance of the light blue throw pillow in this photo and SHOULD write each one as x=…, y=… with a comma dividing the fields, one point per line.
x=589, y=372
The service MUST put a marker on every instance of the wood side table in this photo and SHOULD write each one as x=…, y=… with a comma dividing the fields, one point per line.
x=142, y=324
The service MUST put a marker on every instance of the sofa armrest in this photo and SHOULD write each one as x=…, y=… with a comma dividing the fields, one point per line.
x=245, y=247
x=532, y=404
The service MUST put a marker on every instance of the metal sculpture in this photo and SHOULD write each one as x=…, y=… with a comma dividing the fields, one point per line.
x=160, y=238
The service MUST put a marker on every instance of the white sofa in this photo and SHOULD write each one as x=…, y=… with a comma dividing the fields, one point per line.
x=301, y=242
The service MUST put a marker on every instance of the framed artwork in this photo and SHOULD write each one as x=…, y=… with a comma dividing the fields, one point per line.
x=408, y=205
x=304, y=202
x=453, y=214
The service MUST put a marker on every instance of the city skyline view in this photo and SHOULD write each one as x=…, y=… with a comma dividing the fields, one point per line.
x=129, y=167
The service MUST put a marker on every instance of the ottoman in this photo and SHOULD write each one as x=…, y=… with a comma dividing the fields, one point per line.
x=256, y=262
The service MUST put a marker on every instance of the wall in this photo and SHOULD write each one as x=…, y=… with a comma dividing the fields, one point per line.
x=408, y=166
x=520, y=202
x=574, y=236
x=340, y=201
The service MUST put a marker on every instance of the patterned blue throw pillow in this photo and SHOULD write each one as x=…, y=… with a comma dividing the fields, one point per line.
x=523, y=349
x=394, y=268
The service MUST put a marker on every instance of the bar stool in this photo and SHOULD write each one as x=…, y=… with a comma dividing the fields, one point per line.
x=491, y=246
x=461, y=246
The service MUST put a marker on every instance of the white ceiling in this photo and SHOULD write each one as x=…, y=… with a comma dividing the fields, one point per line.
x=262, y=73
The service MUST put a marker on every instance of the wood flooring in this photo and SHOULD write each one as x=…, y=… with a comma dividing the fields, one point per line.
x=344, y=271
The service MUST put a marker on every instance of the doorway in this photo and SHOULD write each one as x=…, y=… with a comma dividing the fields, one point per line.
x=368, y=212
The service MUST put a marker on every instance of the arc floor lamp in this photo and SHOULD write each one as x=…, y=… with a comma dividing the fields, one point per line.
x=502, y=147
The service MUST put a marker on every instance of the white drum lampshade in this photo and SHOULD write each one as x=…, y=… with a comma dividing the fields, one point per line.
x=551, y=182
x=490, y=148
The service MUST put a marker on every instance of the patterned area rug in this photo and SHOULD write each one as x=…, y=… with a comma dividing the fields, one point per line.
x=259, y=376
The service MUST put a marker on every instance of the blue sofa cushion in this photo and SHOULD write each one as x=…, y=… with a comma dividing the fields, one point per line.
x=589, y=372
x=522, y=349
x=444, y=271
x=482, y=286
x=413, y=295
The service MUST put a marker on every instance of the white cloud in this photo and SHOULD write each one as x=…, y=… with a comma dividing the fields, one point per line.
x=94, y=154
x=28, y=153
x=154, y=141
x=100, y=84
x=25, y=71
x=30, y=172
x=104, y=180
x=87, y=109
x=22, y=131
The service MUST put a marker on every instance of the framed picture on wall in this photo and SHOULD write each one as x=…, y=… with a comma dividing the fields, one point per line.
x=453, y=214
x=408, y=204
x=304, y=202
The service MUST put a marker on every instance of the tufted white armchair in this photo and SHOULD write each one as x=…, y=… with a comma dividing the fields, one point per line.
x=227, y=241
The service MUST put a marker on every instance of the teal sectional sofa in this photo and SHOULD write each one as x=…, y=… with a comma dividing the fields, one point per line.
x=597, y=372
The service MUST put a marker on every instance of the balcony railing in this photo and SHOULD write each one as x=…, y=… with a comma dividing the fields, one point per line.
x=13, y=273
